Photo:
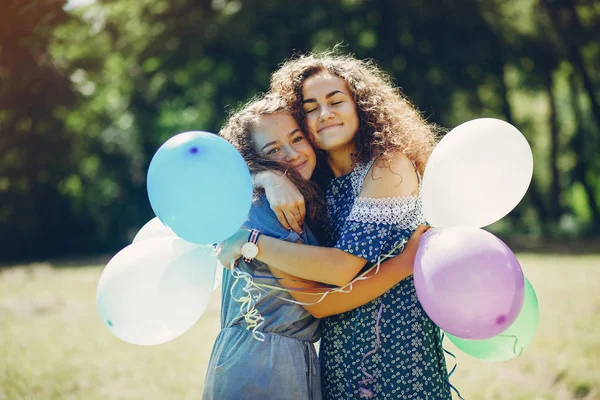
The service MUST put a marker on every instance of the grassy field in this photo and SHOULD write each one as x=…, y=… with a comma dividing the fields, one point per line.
x=53, y=344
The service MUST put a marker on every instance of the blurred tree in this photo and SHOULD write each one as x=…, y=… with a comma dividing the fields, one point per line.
x=35, y=146
x=88, y=96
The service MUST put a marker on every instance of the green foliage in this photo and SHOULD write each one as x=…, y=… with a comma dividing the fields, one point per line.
x=88, y=95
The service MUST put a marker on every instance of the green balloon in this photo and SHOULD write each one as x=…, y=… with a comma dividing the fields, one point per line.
x=510, y=343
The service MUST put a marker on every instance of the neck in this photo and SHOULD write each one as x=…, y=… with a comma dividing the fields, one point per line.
x=341, y=161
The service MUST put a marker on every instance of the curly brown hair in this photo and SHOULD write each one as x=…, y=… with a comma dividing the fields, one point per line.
x=389, y=122
x=238, y=131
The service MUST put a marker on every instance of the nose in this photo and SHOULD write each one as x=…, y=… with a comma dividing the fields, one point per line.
x=291, y=154
x=325, y=113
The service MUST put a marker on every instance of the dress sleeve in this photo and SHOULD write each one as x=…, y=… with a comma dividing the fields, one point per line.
x=263, y=219
x=373, y=222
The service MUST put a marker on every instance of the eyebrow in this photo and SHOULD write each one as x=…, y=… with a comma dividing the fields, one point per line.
x=328, y=95
x=292, y=133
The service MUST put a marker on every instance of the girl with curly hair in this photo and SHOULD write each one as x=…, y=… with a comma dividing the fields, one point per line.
x=270, y=353
x=374, y=145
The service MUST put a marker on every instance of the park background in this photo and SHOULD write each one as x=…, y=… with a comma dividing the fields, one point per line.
x=90, y=89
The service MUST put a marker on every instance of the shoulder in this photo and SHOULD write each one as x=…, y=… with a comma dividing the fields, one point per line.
x=260, y=206
x=262, y=218
x=391, y=177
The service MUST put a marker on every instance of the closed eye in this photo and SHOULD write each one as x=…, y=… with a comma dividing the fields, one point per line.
x=309, y=111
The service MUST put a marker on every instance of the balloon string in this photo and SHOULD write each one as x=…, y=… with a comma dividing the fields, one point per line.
x=253, y=290
x=452, y=387
x=352, y=347
x=516, y=341
x=298, y=289
x=248, y=303
x=366, y=392
x=342, y=289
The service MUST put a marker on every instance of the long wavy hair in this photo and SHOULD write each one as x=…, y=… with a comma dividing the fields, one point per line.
x=238, y=131
x=389, y=122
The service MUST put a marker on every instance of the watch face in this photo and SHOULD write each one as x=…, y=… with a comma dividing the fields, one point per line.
x=249, y=250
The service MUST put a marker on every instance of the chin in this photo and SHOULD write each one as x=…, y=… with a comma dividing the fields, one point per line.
x=306, y=176
x=328, y=146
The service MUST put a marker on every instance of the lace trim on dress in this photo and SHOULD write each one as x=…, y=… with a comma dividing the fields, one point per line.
x=403, y=211
x=358, y=176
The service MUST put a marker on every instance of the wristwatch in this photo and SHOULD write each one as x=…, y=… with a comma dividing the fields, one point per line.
x=250, y=249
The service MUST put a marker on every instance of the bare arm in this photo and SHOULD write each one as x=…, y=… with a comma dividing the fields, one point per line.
x=390, y=273
x=320, y=264
x=285, y=199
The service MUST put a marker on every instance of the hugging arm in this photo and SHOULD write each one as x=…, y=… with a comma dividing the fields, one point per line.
x=328, y=265
x=320, y=264
x=363, y=291
x=285, y=199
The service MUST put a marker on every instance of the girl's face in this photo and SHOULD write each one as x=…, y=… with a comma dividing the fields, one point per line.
x=330, y=109
x=278, y=137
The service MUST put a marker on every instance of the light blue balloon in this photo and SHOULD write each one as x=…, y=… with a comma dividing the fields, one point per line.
x=200, y=186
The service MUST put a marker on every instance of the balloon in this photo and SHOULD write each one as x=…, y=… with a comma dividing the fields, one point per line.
x=218, y=275
x=468, y=281
x=511, y=342
x=155, y=290
x=476, y=174
x=152, y=228
x=155, y=228
x=200, y=187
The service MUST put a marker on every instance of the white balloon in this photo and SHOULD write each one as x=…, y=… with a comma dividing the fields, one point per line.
x=155, y=290
x=153, y=228
x=218, y=275
x=477, y=174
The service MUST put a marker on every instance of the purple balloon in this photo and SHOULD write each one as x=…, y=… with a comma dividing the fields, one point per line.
x=468, y=281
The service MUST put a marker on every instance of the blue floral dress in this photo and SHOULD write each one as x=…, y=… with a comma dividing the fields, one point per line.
x=388, y=348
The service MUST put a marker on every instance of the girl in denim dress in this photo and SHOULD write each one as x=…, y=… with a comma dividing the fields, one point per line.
x=375, y=145
x=276, y=358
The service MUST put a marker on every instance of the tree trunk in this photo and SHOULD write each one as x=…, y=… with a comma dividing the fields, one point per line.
x=533, y=193
x=568, y=28
x=554, y=198
x=581, y=160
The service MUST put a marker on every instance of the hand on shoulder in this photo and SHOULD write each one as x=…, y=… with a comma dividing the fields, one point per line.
x=392, y=177
x=284, y=198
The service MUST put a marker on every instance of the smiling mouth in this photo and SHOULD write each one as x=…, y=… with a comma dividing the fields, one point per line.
x=300, y=166
x=328, y=127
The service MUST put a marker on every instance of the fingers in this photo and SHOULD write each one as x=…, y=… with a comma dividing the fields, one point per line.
x=223, y=261
x=301, y=207
x=291, y=215
x=418, y=233
x=281, y=217
x=227, y=263
x=299, y=212
x=229, y=249
x=221, y=256
x=293, y=218
x=421, y=229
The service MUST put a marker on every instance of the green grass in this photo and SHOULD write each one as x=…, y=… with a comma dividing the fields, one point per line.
x=563, y=361
x=53, y=344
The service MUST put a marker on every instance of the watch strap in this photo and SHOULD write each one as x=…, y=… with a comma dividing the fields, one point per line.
x=252, y=238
